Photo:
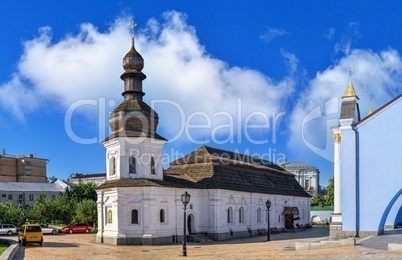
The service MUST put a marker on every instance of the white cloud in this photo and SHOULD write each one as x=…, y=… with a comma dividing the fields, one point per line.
x=17, y=98
x=330, y=33
x=272, y=33
x=88, y=66
x=374, y=75
x=350, y=35
x=182, y=71
x=78, y=66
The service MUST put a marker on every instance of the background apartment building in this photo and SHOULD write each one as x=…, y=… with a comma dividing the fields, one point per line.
x=22, y=168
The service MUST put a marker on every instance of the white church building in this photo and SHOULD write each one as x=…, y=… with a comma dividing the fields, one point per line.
x=367, y=172
x=140, y=202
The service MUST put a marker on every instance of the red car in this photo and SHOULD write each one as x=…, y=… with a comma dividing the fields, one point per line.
x=77, y=228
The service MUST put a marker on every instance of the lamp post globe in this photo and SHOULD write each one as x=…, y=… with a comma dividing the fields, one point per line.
x=185, y=199
x=268, y=205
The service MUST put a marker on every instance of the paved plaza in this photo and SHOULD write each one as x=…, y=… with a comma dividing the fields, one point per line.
x=281, y=246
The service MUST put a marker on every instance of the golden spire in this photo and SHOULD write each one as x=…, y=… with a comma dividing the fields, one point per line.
x=370, y=110
x=350, y=91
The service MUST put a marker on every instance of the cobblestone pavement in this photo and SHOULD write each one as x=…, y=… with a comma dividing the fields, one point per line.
x=281, y=246
x=381, y=242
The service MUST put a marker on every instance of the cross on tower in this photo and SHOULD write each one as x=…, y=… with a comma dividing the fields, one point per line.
x=133, y=25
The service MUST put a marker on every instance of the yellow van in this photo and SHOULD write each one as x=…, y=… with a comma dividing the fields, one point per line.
x=30, y=233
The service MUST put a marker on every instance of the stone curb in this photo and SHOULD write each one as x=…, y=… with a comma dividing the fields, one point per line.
x=326, y=244
x=10, y=251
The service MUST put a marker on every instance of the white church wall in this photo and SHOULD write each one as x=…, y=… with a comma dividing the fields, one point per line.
x=142, y=150
x=208, y=209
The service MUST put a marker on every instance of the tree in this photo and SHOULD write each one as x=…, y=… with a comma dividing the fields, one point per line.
x=329, y=197
x=52, y=179
x=316, y=200
x=61, y=209
x=84, y=191
x=11, y=214
x=65, y=208
x=39, y=213
x=86, y=211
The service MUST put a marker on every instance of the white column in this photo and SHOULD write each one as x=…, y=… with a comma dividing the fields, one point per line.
x=337, y=215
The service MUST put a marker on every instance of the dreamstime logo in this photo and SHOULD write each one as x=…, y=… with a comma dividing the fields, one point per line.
x=238, y=125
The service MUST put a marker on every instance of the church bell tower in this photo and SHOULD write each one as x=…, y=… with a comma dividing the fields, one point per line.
x=133, y=149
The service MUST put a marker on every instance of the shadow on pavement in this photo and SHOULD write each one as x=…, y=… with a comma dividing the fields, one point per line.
x=50, y=244
x=315, y=232
x=381, y=242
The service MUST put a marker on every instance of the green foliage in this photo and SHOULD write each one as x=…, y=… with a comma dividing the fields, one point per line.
x=52, y=179
x=61, y=210
x=86, y=211
x=64, y=209
x=329, y=197
x=316, y=201
x=3, y=247
x=84, y=191
x=12, y=214
x=39, y=212
x=78, y=205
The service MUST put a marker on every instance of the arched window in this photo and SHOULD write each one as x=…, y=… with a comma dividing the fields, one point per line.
x=132, y=165
x=230, y=215
x=162, y=215
x=134, y=216
x=259, y=215
x=153, y=166
x=112, y=165
x=241, y=215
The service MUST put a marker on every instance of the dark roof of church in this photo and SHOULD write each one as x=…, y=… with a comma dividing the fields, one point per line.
x=88, y=175
x=141, y=182
x=211, y=168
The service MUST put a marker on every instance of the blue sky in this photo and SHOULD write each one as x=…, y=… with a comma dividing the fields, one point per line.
x=263, y=78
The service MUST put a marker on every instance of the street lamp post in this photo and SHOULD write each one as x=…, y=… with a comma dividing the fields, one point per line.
x=268, y=204
x=185, y=198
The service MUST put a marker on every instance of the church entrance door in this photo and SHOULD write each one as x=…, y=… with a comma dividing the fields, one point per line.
x=190, y=224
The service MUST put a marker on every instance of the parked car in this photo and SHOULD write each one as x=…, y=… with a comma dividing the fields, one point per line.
x=30, y=233
x=46, y=229
x=7, y=229
x=77, y=228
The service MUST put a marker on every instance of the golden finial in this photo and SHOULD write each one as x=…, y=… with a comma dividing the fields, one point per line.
x=350, y=90
x=370, y=110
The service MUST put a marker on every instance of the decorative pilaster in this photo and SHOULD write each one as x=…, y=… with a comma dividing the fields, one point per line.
x=337, y=214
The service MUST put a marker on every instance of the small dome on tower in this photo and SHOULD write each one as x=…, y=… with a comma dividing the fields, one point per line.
x=133, y=60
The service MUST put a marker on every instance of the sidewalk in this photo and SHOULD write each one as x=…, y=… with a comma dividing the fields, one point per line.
x=281, y=246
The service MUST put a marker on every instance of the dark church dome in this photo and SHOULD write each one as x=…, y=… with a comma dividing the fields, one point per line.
x=133, y=60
